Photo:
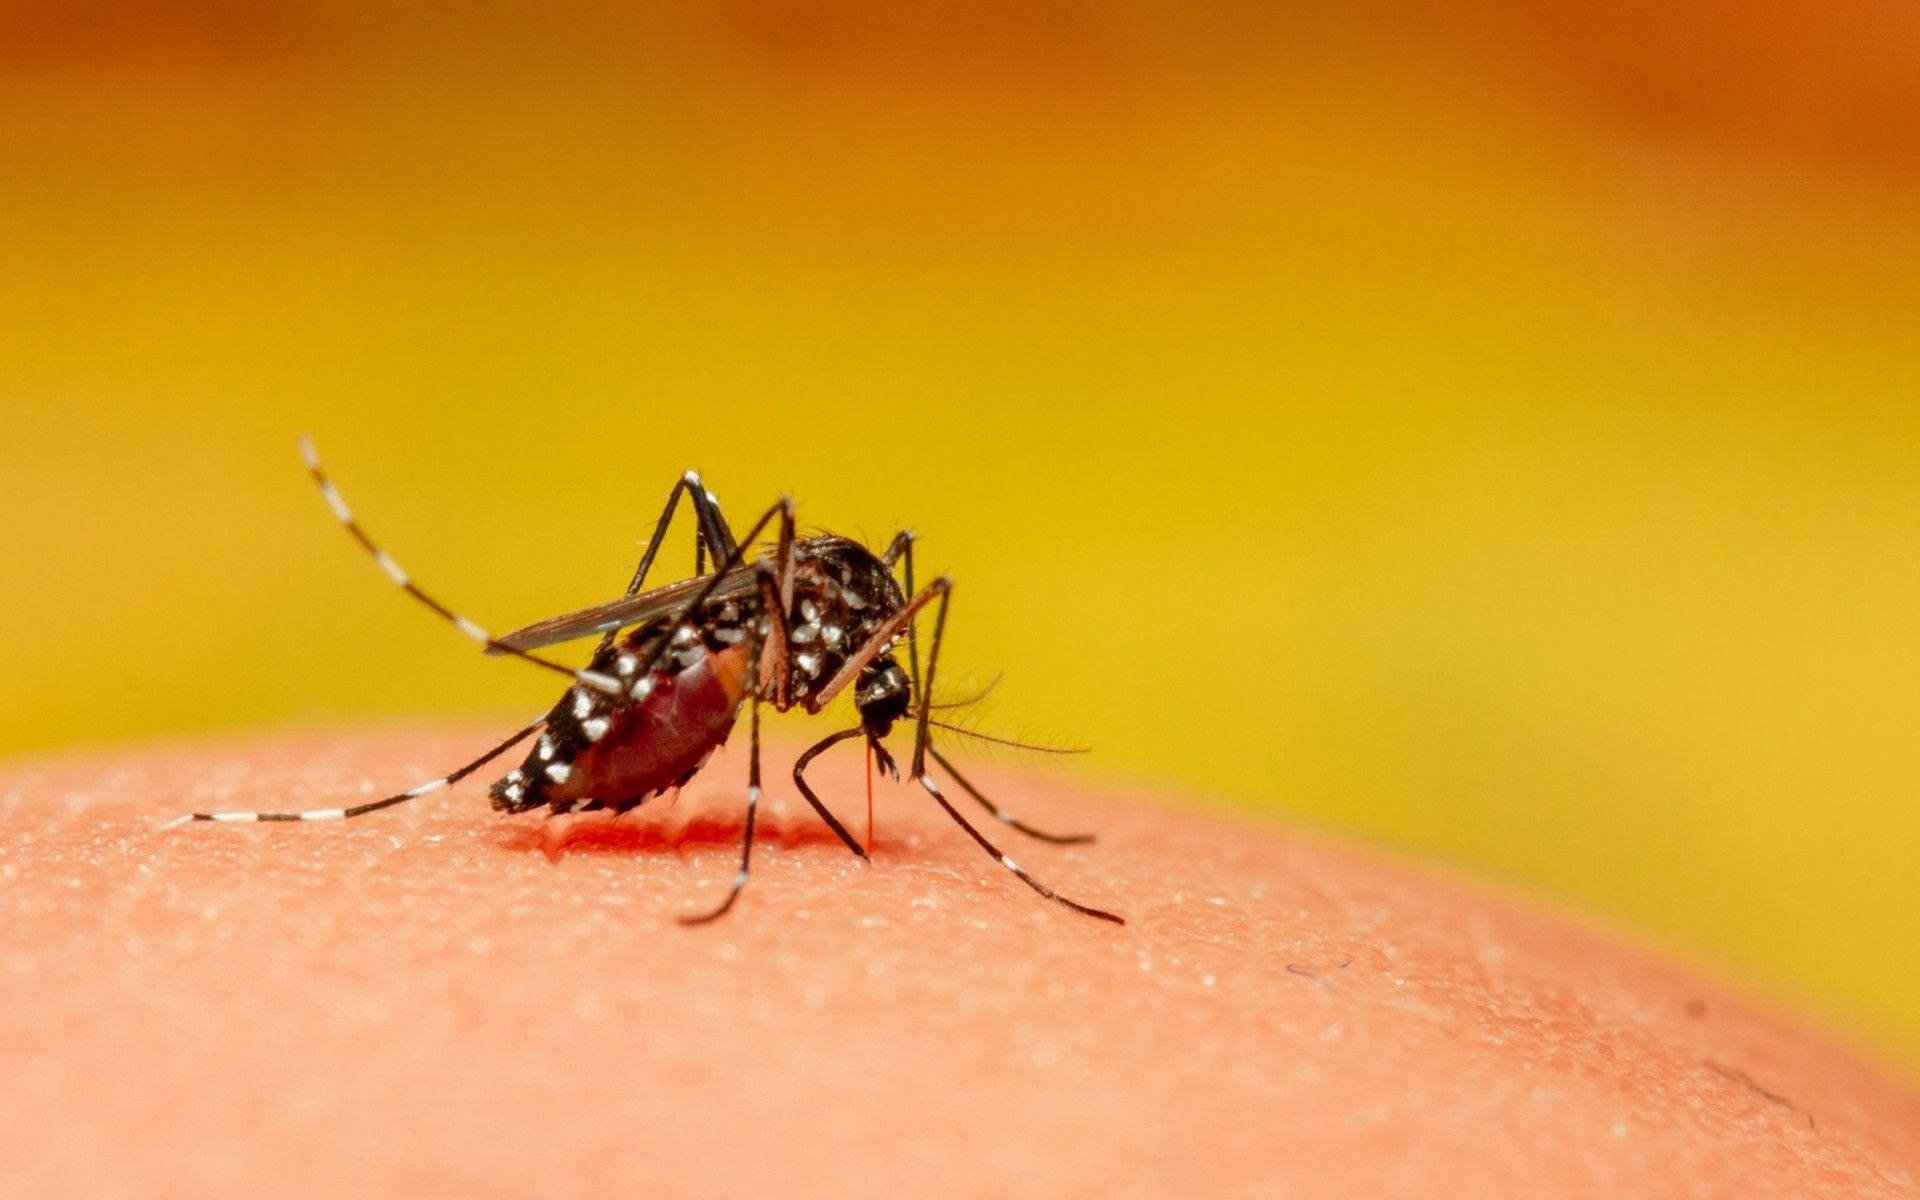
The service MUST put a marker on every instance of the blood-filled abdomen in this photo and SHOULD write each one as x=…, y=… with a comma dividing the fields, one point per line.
x=596, y=753
x=660, y=741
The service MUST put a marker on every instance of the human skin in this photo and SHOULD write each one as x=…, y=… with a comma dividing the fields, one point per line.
x=436, y=1000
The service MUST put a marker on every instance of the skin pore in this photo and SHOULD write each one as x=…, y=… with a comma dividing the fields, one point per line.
x=438, y=1000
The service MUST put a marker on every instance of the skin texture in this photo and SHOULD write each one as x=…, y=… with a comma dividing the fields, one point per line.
x=439, y=1001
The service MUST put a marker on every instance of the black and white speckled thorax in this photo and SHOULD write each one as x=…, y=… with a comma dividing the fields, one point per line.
x=842, y=598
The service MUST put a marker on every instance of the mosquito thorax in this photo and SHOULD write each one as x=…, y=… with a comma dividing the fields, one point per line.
x=842, y=595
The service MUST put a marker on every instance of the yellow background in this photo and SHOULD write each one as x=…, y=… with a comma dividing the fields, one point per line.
x=1488, y=431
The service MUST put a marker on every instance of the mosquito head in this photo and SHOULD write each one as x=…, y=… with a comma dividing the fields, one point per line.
x=883, y=696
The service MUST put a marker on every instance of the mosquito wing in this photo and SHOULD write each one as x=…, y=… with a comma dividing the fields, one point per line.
x=637, y=609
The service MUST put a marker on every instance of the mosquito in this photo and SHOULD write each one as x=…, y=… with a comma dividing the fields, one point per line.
x=791, y=627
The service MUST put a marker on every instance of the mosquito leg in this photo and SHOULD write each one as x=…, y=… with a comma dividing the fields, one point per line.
x=769, y=591
x=360, y=810
x=870, y=649
x=900, y=549
x=783, y=511
x=711, y=534
x=921, y=731
x=901, y=622
x=714, y=539
x=923, y=745
x=609, y=619
x=800, y=781
x=941, y=588
x=668, y=607
x=753, y=805
x=778, y=644
x=592, y=679
x=933, y=789
x=653, y=548
x=1001, y=814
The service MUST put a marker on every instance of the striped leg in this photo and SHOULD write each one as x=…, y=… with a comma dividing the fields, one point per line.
x=922, y=745
x=665, y=603
x=769, y=590
x=782, y=512
x=880, y=639
x=592, y=679
x=359, y=810
x=716, y=538
x=711, y=537
x=900, y=550
x=933, y=789
x=1002, y=815
x=753, y=806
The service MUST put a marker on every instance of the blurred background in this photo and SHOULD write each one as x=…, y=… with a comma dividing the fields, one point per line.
x=1486, y=429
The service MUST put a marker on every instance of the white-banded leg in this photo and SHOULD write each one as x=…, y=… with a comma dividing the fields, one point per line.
x=921, y=730
x=900, y=546
x=921, y=746
x=711, y=537
x=933, y=789
x=1002, y=815
x=783, y=511
x=899, y=623
x=715, y=535
x=753, y=793
x=361, y=810
x=666, y=603
x=878, y=641
x=800, y=781
x=592, y=679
